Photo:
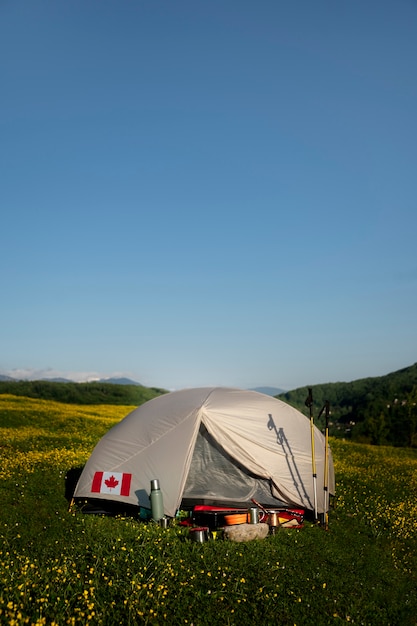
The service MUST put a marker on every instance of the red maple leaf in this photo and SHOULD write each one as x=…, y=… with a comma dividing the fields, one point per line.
x=111, y=482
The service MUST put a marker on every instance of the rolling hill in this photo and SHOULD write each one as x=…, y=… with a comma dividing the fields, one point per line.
x=378, y=410
x=374, y=410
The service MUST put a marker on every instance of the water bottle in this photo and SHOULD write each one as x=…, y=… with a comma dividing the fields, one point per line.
x=157, y=502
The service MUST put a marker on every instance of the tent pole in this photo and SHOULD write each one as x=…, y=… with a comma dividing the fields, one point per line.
x=309, y=403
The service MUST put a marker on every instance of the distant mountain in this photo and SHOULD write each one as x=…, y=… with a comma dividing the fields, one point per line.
x=56, y=380
x=119, y=381
x=8, y=378
x=111, y=381
x=269, y=391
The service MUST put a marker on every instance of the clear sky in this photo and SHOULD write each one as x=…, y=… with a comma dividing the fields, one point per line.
x=208, y=192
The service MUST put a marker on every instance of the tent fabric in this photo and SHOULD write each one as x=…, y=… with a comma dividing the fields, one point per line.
x=212, y=444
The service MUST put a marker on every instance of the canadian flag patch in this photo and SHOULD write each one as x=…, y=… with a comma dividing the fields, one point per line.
x=114, y=483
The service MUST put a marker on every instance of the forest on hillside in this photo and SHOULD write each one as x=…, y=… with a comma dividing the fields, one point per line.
x=81, y=393
x=379, y=410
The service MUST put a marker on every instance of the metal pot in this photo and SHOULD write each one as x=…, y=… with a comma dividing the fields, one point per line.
x=164, y=522
x=273, y=518
x=263, y=513
x=200, y=535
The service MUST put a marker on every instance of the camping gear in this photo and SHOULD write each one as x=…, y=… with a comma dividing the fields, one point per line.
x=200, y=535
x=164, y=522
x=309, y=403
x=157, y=501
x=236, y=518
x=253, y=515
x=211, y=516
x=326, y=468
x=264, y=514
x=279, y=517
x=324, y=516
x=214, y=446
x=289, y=518
x=273, y=518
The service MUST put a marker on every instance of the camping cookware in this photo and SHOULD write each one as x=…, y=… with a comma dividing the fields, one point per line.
x=164, y=522
x=264, y=515
x=253, y=515
x=273, y=518
x=200, y=535
x=288, y=518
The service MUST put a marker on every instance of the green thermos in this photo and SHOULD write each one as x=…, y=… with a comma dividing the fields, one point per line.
x=157, y=501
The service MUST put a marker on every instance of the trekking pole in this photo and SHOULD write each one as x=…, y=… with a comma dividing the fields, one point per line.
x=309, y=403
x=326, y=469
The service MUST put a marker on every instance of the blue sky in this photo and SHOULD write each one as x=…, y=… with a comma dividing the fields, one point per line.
x=208, y=192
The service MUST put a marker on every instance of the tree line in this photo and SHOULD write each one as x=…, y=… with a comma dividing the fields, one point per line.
x=81, y=393
x=379, y=410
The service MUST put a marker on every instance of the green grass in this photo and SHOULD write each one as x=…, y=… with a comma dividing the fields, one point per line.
x=61, y=567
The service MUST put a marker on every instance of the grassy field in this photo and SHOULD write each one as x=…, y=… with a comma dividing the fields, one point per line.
x=61, y=567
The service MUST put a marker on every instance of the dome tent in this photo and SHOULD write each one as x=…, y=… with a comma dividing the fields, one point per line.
x=219, y=446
